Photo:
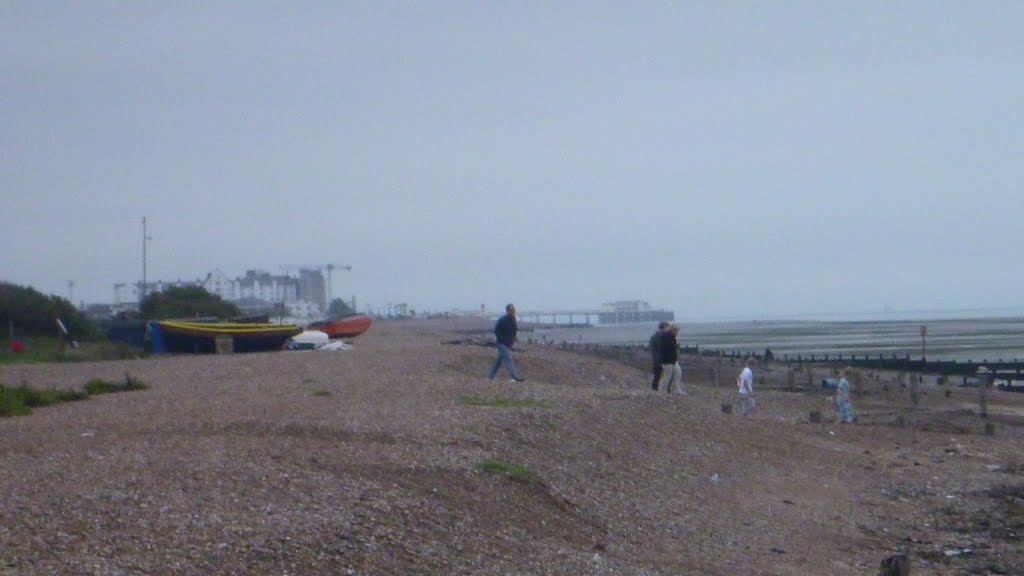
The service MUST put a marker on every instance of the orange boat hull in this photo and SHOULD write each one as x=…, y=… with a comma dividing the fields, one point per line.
x=347, y=327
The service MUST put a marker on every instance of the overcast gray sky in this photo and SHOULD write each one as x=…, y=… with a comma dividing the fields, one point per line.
x=724, y=159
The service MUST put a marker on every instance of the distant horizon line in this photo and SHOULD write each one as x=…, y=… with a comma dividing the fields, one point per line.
x=920, y=314
x=895, y=314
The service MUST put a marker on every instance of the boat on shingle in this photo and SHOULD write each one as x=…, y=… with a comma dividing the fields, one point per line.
x=173, y=336
x=344, y=326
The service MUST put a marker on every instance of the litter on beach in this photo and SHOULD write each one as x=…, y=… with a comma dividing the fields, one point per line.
x=315, y=340
x=335, y=345
x=308, y=340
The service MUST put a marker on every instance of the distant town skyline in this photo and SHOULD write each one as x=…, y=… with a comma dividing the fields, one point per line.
x=723, y=160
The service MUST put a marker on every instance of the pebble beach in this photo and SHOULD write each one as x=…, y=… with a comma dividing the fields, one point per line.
x=398, y=457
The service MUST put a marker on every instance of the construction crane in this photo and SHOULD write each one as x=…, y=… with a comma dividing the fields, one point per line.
x=321, y=267
x=330, y=272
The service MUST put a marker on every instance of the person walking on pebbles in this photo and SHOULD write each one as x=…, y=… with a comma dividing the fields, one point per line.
x=668, y=349
x=655, y=345
x=745, y=381
x=505, y=333
x=843, y=404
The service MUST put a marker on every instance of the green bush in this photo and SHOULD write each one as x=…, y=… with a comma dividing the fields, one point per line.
x=35, y=314
x=187, y=302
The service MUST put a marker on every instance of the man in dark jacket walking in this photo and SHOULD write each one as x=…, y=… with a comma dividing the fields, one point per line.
x=655, y=345
x=505, y=333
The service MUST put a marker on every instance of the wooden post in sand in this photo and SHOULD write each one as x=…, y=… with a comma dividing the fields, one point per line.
x=984, y=383
x=897, y=565
x=727, y=396
x=790, y=379
x=816, y=414
x=909, y=417
x=858, y=383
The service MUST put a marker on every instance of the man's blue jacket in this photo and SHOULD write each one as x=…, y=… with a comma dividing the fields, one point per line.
x=505, y=330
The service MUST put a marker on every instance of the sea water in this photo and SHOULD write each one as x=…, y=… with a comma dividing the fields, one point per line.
x=978, y=339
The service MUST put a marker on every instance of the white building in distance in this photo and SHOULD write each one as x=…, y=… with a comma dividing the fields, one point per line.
x=304, y=296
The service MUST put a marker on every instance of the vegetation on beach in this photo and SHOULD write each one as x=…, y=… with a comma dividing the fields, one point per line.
x=33, y=313
x=500, y=402
x=50, y=349
x=20, y=400
x=187, y=302
x=30, y=319
x=517, y=472
x=100, y=386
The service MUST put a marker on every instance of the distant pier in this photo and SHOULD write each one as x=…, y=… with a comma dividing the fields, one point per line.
x=584, y=317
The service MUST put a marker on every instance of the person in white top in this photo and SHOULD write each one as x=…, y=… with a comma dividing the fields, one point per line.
x=746, y=386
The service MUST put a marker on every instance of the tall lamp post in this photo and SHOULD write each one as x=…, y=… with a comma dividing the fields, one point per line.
x=330, y=273
x=145, y=238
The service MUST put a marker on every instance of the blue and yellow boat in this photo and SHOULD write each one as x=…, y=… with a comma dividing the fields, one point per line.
x=173, y=336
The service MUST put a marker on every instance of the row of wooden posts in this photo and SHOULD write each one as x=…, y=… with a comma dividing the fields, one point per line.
x=1008, y=369
x=911, y=380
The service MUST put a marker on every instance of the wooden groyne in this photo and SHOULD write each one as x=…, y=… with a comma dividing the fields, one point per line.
x=1007, y=370
x=1003, y=369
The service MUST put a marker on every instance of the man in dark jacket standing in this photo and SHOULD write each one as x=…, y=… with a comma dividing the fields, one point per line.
x=505, y=333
